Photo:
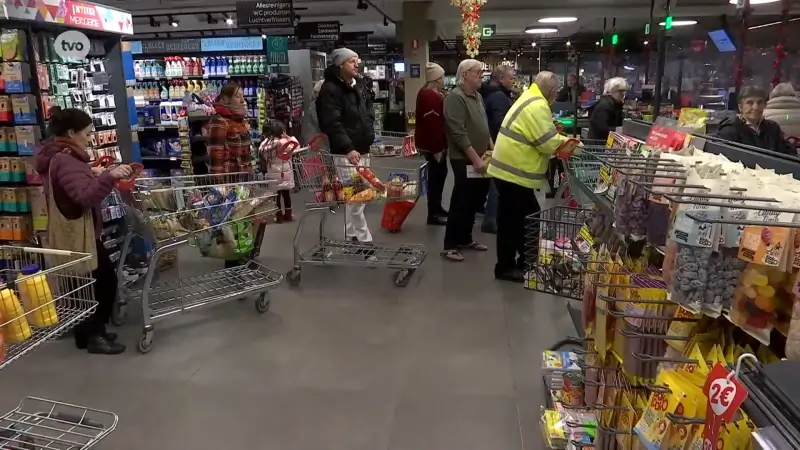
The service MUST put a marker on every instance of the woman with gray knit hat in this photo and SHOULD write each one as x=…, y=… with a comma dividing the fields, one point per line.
x=783, y=108
x=345, y=114
x=430, y=139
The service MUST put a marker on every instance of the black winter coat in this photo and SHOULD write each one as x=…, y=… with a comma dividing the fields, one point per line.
x=345, y=114
x=497, y=100
x=769, y=135
x=605, y=117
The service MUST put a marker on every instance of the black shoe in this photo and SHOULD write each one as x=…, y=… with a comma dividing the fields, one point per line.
x=489, y=228
x=437, y=220
x=111, y=336
x=101, y=345
x=515, y=276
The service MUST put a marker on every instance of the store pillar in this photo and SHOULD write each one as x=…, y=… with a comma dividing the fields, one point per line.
x=416, y=31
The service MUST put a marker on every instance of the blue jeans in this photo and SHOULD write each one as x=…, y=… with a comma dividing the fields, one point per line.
x=490, y=216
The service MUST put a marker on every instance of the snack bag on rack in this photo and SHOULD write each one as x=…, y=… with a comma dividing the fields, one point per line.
x=652, y=427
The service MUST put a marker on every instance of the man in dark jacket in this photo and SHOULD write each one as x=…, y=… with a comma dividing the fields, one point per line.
x=497, y=98
x=344, y=110
x=750, y=127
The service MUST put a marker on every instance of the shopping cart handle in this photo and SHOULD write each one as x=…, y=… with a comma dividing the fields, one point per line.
x=287, y=150
x=104, y=161
x=316, y=141
x=128, y=183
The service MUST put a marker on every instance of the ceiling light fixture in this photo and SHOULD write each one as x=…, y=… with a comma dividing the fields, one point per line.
x=755, y=2
x=228, y=19
x=540, y=30
x=263, y=36
x=597, y=43
x=646, y=42
x=568, y=43
x=628, y=68
x=680, y=23
x=557, y=19
x=533, y=44
x=172, y=21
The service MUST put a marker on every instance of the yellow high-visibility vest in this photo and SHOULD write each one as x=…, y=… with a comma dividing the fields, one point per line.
x=526, y=141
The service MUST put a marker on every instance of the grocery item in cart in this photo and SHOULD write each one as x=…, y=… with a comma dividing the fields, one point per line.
x=17, y=328
x=371, y=178
x=34, y=291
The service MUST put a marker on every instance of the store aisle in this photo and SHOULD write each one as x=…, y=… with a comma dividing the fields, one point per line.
x=347, y=361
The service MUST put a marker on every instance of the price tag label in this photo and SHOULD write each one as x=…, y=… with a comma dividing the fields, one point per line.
x=725, y=396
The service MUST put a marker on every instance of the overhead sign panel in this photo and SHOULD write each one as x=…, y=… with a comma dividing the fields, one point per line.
x=266, y=14
x=318, y=31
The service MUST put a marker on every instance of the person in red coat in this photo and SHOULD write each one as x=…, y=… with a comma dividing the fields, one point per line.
x=430, y=139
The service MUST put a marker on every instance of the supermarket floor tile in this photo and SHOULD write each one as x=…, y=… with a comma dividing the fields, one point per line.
x=344, y=361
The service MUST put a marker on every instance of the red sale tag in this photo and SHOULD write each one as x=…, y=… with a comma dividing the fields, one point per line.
x=725, y=395
x=666, y=139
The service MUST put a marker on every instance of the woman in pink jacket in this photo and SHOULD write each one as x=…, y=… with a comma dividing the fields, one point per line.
x=75, y=190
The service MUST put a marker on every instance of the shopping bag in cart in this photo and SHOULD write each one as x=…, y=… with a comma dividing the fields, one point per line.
x=123, y=187
x=395, y=214
x=229, y=242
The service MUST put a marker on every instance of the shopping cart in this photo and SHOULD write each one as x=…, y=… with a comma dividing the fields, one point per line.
x=53, y=300
x=215, y=213
x=393, y=144
x=334, y=183
x=580, y=171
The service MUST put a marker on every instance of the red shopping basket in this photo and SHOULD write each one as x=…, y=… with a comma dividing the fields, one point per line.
x=395, y=213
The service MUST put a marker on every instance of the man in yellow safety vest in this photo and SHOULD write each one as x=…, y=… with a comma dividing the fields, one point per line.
x=526, y=142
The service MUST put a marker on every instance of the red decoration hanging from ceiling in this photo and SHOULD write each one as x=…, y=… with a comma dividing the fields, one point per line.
x=780, y=49
x=470, y=30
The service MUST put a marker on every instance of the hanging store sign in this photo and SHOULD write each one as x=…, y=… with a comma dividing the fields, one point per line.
x=355, y=40
x=89, y=16
x=377, y=49
x=266, y=14
x=318, y=31
x=277, y=50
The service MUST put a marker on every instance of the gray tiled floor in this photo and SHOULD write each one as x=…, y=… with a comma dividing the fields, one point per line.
x=347, y=361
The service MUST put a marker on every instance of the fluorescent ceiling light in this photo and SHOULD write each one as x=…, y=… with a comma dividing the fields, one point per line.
x=680, y=23
x=558, y=19
x=628, y=68
x=755, y=2
x=540, y=30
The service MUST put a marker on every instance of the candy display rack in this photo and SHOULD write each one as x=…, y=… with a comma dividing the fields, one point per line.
x=661, y=304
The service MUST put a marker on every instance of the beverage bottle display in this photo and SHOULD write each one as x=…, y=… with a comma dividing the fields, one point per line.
x=36, y=297
x=18, y=330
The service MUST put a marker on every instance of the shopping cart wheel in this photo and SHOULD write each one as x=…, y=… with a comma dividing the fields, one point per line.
x=262, y=303
x=146, y=342
x=402, y=277
x=293, y=277
x=119, y=313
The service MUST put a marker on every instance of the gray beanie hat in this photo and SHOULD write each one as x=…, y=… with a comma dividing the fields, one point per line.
x=341, y=55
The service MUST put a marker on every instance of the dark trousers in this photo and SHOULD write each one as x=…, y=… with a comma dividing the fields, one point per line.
x=437, y=174
x=287, y=200
x=467, y=198
x=515, y=203
x=105, y=294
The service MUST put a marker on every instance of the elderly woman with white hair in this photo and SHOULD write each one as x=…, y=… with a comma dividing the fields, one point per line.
x=468, y=138
x=607, y=115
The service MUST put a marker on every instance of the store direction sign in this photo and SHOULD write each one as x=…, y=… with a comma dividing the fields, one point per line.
x=488, y=30
x=266, y=14
x=318, y=31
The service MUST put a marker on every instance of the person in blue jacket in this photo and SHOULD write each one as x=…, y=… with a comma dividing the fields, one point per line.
x=497, y=98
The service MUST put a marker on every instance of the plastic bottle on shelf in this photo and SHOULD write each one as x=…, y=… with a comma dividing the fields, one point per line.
x=137, y=69
x=18, y=329
x=36, y=297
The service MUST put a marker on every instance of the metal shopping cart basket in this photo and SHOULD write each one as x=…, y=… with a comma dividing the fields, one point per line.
x=393, y=144
x=50, y=302
x=333, y=182
x=215, y=213
x=581, y=172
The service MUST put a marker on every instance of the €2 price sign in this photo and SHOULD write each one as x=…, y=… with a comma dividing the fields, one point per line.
x=725, y=394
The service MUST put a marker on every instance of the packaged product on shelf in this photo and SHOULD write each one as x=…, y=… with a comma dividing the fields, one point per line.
x=555, y=363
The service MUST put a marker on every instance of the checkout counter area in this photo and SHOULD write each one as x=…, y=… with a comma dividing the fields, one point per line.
x=749, y=156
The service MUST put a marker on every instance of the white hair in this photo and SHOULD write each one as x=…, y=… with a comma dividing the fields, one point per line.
x=615, y=84
x=465, y=66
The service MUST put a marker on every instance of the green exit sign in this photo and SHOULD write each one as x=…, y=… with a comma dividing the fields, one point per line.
x=668, y=23
x=647, y=28
x=614, y=39
x=488, y=30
